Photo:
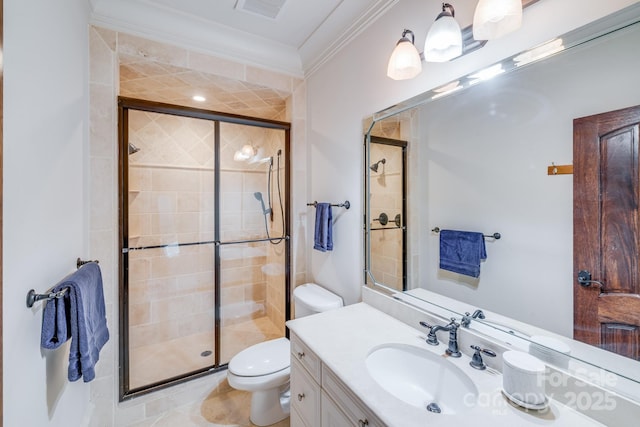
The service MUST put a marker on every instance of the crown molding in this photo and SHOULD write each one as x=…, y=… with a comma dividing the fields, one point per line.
x=167, y=26
x=162, y=24
x=316, y=51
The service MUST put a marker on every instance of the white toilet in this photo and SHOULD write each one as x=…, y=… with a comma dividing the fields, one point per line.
x=264, y=368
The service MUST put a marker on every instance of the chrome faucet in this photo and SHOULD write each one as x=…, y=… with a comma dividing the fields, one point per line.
x=466, y=319
x=432, y=339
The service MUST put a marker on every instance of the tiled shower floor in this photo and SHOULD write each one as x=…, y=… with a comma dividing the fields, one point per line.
x=167, y=359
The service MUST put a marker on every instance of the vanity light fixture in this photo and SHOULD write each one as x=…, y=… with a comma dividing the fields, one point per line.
x=444, y=40
x=405, y=62
x=495, y=18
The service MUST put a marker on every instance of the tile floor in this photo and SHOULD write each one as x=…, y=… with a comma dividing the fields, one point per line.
x=223, y=407
x=230, y=408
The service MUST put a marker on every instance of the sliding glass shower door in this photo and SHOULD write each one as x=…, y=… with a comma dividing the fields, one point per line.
x=204, y=267
x=252, y=246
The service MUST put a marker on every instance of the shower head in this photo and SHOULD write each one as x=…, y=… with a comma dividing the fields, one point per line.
x=374, y=167
x=258, y=196
x=133, y=149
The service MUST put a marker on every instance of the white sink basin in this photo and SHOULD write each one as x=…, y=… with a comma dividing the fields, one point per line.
x=420, y=377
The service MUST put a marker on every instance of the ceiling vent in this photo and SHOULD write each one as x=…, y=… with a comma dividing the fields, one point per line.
x=265, y=8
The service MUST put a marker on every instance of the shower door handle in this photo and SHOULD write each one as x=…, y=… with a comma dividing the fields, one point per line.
x=584, y=278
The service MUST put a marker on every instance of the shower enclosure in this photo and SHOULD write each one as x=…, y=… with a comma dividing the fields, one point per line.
x=204, y=236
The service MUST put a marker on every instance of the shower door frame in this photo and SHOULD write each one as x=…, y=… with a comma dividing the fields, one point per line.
x=124, y=105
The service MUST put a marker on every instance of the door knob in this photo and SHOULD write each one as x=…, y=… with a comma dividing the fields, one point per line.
x=584, y=278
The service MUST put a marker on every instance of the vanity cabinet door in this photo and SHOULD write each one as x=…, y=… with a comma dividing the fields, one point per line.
x=305, y=395
x=295, y=420
x=332, y=416
x=356, y=412
x=308, y=359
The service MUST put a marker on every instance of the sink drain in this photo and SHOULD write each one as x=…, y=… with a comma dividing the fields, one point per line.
x=433, y=407
x=206, y=353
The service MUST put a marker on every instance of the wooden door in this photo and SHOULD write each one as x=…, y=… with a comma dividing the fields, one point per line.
x=606, y=231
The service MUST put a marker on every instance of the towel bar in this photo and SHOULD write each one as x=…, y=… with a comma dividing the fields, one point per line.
x=345, y=205
x=33, y=297
x=494, y=235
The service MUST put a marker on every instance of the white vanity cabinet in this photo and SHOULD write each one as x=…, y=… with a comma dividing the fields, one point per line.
x=319, y=398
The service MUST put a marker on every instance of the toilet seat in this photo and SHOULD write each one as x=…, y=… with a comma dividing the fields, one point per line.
x=262, y=359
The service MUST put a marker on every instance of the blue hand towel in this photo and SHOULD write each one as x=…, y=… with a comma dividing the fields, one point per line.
x=323, y=235
x=462, y=251
x=80, y=315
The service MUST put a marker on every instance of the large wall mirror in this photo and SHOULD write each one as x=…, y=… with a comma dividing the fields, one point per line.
x=488, y=153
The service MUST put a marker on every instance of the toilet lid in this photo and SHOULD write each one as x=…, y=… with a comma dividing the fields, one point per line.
x=261, y=359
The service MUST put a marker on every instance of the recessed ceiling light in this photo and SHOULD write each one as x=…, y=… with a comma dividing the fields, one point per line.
x=199, y=98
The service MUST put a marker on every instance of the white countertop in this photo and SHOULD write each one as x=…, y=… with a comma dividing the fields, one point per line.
x=343, y=338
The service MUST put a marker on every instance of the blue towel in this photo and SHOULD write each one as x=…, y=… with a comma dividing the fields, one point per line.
x=80, y=315
x=323, y=235
x=462, y=251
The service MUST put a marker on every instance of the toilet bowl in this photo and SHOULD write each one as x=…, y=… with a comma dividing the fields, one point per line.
x=264, y=368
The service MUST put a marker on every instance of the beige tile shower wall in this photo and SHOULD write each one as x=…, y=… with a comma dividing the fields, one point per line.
x=170, y=201
x=106, y=48
x=171, y=293
x=242, y=282
x=275, y=267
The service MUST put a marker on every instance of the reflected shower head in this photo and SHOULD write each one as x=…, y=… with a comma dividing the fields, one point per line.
x=133, y=149
x=374, y=167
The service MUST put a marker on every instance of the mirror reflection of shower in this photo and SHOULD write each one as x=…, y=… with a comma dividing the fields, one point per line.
x=374, y=167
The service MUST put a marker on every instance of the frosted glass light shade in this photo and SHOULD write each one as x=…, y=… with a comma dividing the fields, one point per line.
x=444, y=40
x=405, y=61
x=495, y=18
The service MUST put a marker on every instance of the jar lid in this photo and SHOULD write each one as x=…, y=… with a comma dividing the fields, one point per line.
x=523, y=361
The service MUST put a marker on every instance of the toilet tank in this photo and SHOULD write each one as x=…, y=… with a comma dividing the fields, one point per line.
x=310, y=299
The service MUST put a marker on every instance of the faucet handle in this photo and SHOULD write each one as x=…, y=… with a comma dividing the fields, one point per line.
x=432, y=338
x=425, y=325
x=466, y=320
x=476, y=360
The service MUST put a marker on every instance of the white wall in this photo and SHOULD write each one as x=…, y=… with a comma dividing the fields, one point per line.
x=353, y=85
x=45, y=206
x=485, y=161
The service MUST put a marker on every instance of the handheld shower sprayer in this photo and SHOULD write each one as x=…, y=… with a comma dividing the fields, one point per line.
x=258, y=196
